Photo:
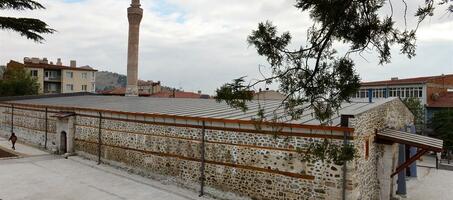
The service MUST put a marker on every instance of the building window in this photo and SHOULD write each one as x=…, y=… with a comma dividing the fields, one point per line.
x=93, y=87
x=69, y=74
x=84, y=88
x=69, y=87
x=84, y=75
x=34, y=73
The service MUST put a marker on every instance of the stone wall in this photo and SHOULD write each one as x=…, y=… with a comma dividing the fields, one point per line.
x=260, y=166
x=250, y=164
x=366, y=180
x=29, y=126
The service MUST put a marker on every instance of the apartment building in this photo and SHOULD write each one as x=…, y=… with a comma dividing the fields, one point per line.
x=57, y=78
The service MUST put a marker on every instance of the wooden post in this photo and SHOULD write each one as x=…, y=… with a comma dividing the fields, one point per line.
x=202, y=168
x=100, y=138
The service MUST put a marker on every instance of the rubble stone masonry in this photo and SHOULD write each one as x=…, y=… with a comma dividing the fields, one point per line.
x=239, y=163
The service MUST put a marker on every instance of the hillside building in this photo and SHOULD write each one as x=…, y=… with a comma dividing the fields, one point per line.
x=57, y=78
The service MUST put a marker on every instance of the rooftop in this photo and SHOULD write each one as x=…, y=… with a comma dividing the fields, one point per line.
x=52, y=66
x=194, y=108
x=416, y=80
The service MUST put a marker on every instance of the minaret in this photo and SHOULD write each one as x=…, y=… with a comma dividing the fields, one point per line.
x=134, y=14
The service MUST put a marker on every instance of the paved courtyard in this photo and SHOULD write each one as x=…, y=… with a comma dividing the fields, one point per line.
x=430, y=183
x=39, y=175
x=54, y=178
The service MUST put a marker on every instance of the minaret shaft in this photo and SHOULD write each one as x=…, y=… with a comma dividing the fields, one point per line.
x=135, y=14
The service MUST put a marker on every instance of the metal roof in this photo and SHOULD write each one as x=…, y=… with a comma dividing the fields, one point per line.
x=205, y=108
x=411, y=139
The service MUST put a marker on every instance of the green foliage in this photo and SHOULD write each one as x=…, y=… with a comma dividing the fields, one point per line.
x=234, y=94
x=417, y=109
x=315, y=73
x=442, y=124
x=27, y=27
x=326, y=151
x=18, y=82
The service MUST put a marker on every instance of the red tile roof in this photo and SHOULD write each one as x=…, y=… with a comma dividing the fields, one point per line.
x=417, y=80
x=444, y=101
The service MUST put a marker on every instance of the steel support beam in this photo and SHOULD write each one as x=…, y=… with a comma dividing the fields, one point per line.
x=408, y=162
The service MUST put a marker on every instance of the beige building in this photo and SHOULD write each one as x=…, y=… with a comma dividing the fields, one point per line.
x=57, y=78
x=149, y=87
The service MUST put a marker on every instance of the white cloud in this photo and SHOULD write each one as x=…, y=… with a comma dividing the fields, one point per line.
x=194, y=44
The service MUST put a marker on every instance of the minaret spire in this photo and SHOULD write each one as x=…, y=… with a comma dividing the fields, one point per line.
x=134, y=14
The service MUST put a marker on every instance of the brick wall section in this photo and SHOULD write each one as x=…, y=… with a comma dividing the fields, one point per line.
x=365, y=177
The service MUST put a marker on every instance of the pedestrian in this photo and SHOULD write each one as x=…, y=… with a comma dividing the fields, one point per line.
x=13, y=140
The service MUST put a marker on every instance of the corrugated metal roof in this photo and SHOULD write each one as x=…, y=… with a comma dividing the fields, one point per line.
x=411, y=139
x=205, y=108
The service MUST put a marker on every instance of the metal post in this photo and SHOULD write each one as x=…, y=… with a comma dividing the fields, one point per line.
x=12, y=118
x=46, y=130
x=402, y=175
x=100, y=138
x=345, y=142
x=413, y=151
x=202, y=168
x=345, y=123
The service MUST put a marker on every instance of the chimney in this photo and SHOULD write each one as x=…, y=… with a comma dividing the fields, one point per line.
x=35, y=60
x=44, y=61
x=394, y=78
x=73, y=63
x=59, y=62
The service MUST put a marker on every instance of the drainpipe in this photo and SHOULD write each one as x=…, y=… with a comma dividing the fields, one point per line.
x=202, y=168
x=345, y=123
x=99, y=138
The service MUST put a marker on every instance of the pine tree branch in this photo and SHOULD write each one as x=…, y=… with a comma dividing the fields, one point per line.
x=27, y=27
x=20, y=5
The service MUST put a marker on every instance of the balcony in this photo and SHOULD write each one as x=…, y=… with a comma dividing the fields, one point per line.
x=53, y=79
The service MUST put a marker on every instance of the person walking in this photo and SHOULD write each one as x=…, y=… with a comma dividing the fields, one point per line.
x=13, y=140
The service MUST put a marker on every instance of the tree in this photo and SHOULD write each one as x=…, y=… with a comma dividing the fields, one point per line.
x=18, y=82
x=315, y=75
x=442, y=125
x=417, y=109
x=27, y=27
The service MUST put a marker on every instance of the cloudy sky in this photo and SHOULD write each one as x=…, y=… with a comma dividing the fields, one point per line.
x=200, y=44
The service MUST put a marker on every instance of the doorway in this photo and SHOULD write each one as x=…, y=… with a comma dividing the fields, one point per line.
x=63, y=142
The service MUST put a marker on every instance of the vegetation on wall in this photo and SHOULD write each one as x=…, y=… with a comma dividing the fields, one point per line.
x=28, y=27
x=18, y=82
